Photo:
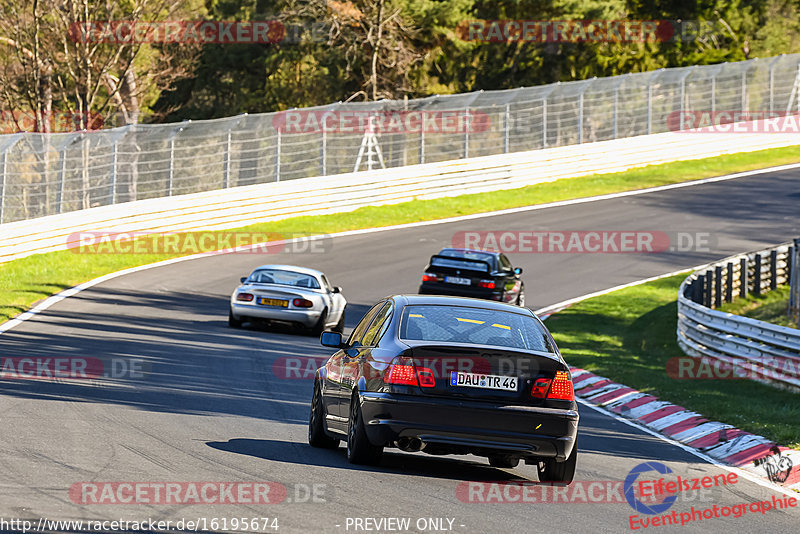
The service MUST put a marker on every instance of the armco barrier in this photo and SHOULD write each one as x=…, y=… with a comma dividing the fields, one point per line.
x=768, y=352
x=239, y=206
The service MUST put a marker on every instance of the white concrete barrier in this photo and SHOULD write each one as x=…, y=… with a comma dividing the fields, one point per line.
x=240, y=206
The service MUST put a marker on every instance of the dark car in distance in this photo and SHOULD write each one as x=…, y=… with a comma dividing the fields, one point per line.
x=478, y=274
x=448, y=375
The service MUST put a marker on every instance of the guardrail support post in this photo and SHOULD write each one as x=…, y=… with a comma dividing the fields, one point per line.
x=743, y=278
x=697, y=289
x=794, y=282
x=729, y=283
x=718, y=286
x=709, y=286
x=757, y=276
x=773, y=269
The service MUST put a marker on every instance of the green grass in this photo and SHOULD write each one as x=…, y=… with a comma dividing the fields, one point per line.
x=770, y=307
x=25, y=281
x=629, y=335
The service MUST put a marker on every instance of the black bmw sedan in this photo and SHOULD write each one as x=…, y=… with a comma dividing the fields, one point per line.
x=448, y=375
x=473, y=273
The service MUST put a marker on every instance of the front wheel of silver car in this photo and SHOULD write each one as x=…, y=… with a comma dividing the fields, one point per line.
x=359, y=449
x=319, y=327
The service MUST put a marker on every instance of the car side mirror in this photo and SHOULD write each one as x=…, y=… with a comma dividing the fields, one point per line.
x=331, y=339
x=517, y=271
x=337, y=289
x=242, y=279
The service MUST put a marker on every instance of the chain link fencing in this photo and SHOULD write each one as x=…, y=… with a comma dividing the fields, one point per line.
x=46, y=174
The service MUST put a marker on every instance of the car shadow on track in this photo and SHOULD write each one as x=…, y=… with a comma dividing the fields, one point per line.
x=393, y=461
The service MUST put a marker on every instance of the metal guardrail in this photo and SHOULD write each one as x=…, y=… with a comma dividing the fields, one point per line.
x=767, y=352
x=48, y=174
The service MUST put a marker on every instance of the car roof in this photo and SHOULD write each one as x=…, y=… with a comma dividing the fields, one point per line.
x=295, y=268
x=442, y=300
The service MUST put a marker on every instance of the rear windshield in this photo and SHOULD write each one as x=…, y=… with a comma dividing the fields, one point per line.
x=461, y=324
x=284, y=278
x=461, y=260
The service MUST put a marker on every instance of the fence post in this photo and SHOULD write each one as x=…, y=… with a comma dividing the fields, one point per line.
x=616, y=105
x=278, y=158
x=743, y=281
x=708, y=288
x=744, y=91
x=466, y=133
x=718, y=286
x=729, y=283
x=422, y=144
x=757, y=276
x=697, y=289
x=171, y=175
x=773, y=269
x=713, y=94
x=544, y=122
x=649, y=107
x=580, y=118
x=506, y=123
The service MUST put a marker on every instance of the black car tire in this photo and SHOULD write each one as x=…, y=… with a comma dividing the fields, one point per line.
x=233, y=322
x=316, y=427
x=359, y=449
x=559, y=472
x=318, y=328
x=503, y=462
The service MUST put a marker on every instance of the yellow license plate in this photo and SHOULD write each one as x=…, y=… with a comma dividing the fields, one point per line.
x=273, y=302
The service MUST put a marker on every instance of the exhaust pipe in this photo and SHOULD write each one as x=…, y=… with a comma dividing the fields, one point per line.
x=410, y=444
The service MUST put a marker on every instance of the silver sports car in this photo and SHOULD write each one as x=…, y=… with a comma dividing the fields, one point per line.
x=288, y=294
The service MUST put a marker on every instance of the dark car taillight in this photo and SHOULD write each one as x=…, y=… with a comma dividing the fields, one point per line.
x=486, y=284
x=430, y=277
x=559, y=387
x=302, y=303
x=406, y=374
x=247, y=297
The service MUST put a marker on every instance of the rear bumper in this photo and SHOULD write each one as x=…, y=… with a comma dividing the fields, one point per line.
x=306, y=318
x=469, y=426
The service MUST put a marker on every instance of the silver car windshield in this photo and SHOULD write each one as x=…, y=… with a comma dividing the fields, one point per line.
x=461, y=324
x=283, y=278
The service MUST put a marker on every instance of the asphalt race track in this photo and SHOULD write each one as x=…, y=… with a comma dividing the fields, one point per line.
x=211, y=403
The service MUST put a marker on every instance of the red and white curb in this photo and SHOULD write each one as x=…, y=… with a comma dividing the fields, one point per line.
x=722, y=442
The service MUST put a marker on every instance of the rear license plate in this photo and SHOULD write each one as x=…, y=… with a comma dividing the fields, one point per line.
x=474, y=380
x=457, y=280
x=273, y=302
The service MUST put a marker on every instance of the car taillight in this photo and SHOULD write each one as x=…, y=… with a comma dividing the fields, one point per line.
x=302, y=303
x=561, y=388
x=247, y=297
x=430, y=277
x=407, y=374
x=486, y=284
x=540, y=387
